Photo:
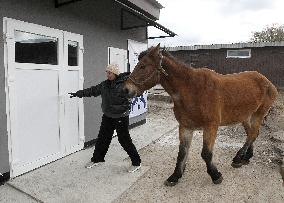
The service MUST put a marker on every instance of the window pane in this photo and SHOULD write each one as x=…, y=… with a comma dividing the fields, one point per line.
x=72, y=53
x=38, y=49
x=243, y=53
x=238, y=53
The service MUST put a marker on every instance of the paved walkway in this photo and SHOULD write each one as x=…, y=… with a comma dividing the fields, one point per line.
x=66, y=180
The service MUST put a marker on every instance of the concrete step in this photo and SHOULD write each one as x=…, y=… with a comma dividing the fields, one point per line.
x=159, y=94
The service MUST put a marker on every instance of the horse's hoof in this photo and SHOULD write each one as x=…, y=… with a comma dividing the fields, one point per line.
x=170, y=184
x=245, y=162
x=236, y=165
x=218, y=181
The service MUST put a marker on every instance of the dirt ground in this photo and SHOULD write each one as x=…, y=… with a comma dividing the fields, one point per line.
x=259, y=181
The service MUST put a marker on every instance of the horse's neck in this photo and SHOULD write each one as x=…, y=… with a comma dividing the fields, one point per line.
x=176, y=74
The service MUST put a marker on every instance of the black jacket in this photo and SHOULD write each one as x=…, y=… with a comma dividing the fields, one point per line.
x=115, y=101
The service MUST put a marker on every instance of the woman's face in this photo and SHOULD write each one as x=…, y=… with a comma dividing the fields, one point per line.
x=110, y=75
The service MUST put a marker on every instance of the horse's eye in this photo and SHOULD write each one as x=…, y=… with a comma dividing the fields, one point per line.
x=142, y=66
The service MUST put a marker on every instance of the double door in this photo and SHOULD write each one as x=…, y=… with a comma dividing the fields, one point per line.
x=41, y=66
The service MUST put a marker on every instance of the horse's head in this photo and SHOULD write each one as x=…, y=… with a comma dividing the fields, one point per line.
x=146, y=73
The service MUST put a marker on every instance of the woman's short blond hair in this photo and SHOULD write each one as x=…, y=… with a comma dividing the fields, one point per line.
x=114, y=68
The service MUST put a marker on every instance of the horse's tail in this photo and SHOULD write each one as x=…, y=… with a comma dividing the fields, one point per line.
x=268, y=89
x=272, y=91
x=269, y=97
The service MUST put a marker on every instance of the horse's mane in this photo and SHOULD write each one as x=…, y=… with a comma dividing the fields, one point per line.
x=166, y=53
x=183, y=70
x=180, y=67
x=143, y=53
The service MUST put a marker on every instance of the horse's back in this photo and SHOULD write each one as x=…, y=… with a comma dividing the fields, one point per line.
x=249, y=81
x=244, y=93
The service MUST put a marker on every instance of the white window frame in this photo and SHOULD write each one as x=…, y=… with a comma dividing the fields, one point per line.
x=238, y=50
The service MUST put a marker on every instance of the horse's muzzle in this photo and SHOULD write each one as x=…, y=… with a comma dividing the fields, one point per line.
x=129, y=94
x=130, y=89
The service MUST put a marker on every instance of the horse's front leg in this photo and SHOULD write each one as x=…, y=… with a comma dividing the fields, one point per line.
x=185, y=137
x=209, y=137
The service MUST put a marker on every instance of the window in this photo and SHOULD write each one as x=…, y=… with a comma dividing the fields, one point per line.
x=239, y=53
x=72, y=53
x=33, y=48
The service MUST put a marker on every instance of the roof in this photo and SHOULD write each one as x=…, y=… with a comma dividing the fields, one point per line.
x=147, y=20
x=226, y=46
x=150, y=8
x=156, y=3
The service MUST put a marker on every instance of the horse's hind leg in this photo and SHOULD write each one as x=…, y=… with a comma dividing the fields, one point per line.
x=209, y=137
x=249, y=152
x=251, y=127
x=185, y=137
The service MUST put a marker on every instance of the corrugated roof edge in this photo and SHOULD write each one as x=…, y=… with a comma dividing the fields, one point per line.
x=226, y=46
x=156, y=3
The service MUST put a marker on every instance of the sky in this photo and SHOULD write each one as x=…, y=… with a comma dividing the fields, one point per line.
x=199, y=22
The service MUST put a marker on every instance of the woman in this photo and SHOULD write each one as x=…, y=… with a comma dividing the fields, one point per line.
x=115, y=106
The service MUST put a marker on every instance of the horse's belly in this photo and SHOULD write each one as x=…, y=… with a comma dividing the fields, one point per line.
x=231, y=122
x=236, y=115
x=187, y=121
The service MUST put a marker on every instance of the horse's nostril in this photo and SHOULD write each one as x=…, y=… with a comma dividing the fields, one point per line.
x=125, y=90
x=131, y=94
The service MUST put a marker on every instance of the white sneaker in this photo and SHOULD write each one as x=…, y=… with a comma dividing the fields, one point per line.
x=92, y=164
x=132, y=168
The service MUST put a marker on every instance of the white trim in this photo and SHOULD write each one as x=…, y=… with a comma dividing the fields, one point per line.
x=7, y=90
x=33, y=66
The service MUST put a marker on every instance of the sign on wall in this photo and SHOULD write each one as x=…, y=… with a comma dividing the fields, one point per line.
x=139, y=104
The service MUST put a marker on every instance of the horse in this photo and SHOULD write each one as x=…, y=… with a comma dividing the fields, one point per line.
x=205, y=100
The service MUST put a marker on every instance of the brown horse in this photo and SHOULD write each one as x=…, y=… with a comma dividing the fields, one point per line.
x=204, y=99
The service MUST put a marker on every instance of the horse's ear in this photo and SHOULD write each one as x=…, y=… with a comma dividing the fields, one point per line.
x=156, y=50
x=158, y=47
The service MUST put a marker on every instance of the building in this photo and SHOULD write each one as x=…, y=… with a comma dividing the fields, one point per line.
x=266, y=58
x=53, y=47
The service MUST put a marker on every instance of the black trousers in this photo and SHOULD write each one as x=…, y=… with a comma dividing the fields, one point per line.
x=108, y=125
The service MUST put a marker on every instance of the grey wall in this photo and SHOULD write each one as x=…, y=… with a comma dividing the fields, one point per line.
x=97, y=21
x=268, y=61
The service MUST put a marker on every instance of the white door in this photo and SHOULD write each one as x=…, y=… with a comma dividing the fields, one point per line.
x=73, y=138
x=40, y=115
x=118, y=56
x=138, y=104
x=134, y=49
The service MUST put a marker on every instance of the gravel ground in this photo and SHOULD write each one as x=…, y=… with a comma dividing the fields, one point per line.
x=259, y=181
